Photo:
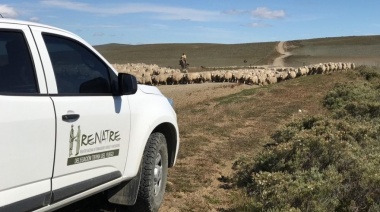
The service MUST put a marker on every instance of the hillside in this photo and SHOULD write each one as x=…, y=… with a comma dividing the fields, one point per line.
x=363, y=50
x=208, y=55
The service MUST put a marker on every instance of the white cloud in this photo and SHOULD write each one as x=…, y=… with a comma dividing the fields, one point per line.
x=7, y=12
x=165, y=12
x=260, y=12
x=263, y=12
x=66, y=5
x=162, y=12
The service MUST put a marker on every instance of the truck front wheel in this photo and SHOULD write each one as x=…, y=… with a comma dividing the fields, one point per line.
x=154, y=174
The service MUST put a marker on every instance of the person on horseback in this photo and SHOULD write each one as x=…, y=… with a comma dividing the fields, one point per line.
x=183, y=61
x=183, y=58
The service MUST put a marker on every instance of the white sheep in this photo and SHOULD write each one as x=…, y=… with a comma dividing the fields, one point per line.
x=228, y=76
x=292, y=74
x=271, y=78
x=321, y=69
x=177, y=78
x=192, y=77
x=163, y=79
x=147, y=79
x=251, y=79
x=261, y=79
x=208, y=77
x=302, y=71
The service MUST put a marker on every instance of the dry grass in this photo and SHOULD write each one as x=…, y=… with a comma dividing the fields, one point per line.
x=217, y=132
x=209, y=55
x=359, y=49
x=363, y=50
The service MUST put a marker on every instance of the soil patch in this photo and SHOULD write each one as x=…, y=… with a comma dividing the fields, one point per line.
x=184, y=95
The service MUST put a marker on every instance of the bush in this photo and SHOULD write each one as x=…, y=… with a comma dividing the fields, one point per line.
x=331, y=165
x=322, y=163
x=369, y=73
x=310, y=190
x=360, y=100
x=357, y=99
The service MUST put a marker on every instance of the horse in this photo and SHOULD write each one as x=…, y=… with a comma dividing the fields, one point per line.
x=183, y=64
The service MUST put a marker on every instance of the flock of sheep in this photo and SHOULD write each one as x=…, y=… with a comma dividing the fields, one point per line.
x=155, y=75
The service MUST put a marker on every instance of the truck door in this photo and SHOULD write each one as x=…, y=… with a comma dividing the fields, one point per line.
x=92, y=124
x=27, y=123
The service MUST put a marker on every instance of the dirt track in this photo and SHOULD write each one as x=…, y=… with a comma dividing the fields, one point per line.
x=194, y=93
x=281, y=48
x=184, y=95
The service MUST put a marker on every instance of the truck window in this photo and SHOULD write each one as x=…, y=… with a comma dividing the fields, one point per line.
x=77, y=69
x=17, y=73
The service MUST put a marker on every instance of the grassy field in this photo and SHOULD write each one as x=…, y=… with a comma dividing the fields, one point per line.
x=198, y=55
x=363, y=50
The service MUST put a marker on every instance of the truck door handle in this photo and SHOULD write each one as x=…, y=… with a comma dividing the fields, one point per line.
x=70, y=117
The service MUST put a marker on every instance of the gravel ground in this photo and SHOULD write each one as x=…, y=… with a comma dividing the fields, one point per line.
x=194, y=93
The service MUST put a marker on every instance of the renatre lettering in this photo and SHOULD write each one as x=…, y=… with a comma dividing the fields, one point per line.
x=103, y=136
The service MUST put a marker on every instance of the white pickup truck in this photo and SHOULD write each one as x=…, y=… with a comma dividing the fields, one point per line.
x=71, y=126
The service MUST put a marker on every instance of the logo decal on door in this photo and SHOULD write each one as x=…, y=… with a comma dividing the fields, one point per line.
x=81, y=144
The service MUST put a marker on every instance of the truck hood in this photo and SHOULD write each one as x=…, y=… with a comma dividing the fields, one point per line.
x=149, y=89
x=153, y=90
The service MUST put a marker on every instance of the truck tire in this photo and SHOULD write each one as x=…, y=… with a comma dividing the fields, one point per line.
x=154, y=174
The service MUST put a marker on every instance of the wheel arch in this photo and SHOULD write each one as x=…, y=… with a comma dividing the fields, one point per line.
x=170, y=133
x=127, y=192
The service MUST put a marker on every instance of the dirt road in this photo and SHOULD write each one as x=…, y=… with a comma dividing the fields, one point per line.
x=281, y=48
x=189, y=168
x=184, y=95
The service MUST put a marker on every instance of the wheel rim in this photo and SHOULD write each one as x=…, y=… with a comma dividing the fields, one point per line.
x=157, y=174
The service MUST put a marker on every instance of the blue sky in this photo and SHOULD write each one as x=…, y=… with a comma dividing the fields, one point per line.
x=201, y=21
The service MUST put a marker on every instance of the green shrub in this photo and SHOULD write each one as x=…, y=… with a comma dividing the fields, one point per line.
x=310, y=190
x=369, y=73
x=346, y=93
x=291, y=129
x=322, y=163
x=336, y=158
x=358, y=100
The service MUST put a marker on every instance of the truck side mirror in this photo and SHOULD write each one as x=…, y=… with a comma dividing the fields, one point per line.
x=127, y=84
